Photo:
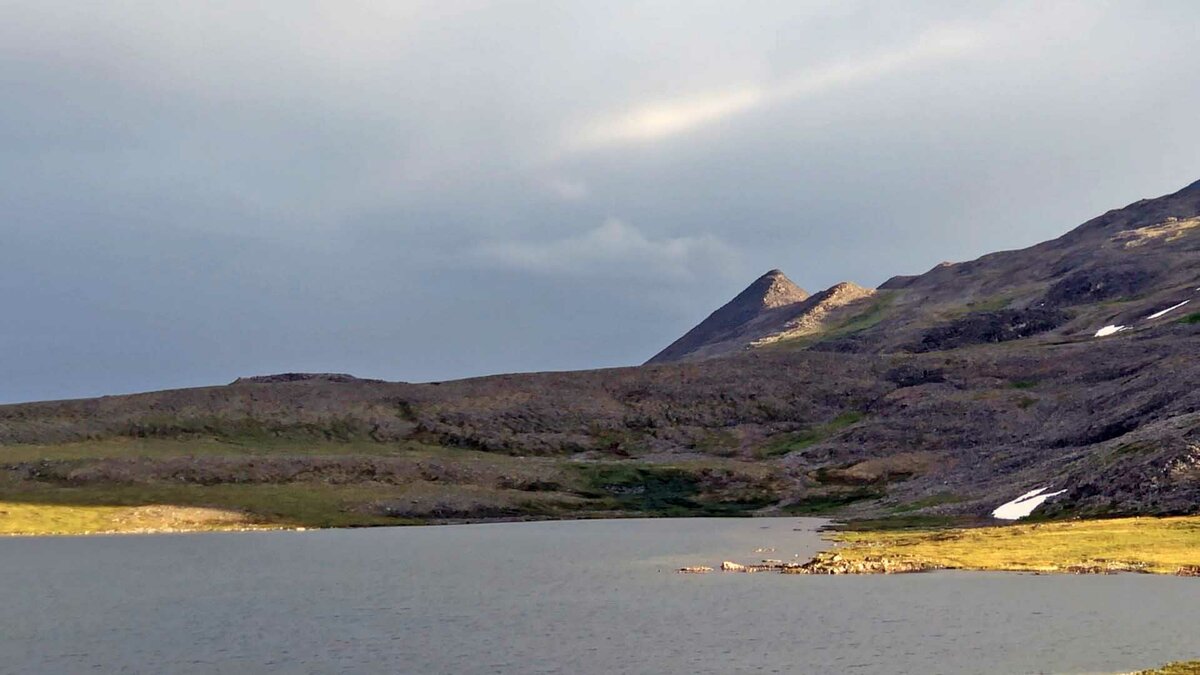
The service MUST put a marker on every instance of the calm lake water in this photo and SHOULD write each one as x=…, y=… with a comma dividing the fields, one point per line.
x=555, y=597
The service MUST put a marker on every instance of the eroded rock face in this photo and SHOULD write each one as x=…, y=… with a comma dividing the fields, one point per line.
x=812, y=317
x=989, y=327
x=1094, y=284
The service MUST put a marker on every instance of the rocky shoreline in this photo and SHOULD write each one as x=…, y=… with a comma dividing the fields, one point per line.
x=824, y=563
x=832, y=563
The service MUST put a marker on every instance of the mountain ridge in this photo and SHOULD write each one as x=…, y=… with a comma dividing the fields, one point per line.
x=1067, y=365
x=1136, y=250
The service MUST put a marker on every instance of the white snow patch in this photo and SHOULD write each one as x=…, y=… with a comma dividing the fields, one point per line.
x=1110, y=330
x=1158, y=314
x=1024, y=505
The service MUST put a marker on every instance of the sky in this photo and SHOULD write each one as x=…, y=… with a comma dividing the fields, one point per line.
x=419, y=191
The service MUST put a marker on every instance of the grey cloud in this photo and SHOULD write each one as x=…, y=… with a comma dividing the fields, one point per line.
x=197, y=191
x=615, y=248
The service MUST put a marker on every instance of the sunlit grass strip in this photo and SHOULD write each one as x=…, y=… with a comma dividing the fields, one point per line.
x=169, y=508
x=1160, y=545
x=38, y=519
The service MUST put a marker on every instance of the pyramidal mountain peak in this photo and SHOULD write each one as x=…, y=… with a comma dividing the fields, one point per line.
x=769, y=292
x=771, y=309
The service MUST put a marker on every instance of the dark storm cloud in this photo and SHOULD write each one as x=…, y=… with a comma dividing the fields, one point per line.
x=193, y=192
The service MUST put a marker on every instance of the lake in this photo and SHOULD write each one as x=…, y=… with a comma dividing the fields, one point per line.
x=554, y=597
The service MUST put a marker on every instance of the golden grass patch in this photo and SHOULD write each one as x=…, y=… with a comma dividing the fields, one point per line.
x=1160, y=545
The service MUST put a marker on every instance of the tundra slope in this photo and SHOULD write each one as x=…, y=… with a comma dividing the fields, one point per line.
x=943, y=394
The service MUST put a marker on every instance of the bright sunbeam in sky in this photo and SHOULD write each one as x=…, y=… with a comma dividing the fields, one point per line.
x=663, y=119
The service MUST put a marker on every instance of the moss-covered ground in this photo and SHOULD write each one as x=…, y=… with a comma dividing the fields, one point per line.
x=151, y=484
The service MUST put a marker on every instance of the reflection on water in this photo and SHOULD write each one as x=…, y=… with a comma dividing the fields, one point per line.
x=556, y=597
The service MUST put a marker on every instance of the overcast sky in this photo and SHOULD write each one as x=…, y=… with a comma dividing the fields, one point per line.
x=194, y=191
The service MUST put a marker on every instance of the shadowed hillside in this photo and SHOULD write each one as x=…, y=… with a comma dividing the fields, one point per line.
x=934, y=397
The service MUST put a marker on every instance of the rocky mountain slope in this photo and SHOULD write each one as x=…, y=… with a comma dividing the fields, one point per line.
x=1069, y=365
x=1115, y=270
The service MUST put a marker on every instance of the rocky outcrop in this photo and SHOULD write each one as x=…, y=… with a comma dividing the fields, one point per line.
x=827, y=563
x=1098, y=284
x=834, y=563
x=764, y=566
x=984, y=327
x=912, y=375
x=815, y=315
